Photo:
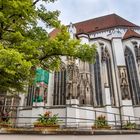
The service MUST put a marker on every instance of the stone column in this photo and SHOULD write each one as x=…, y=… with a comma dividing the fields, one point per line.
x=50, y=90
x=108, y=107
x=121, y=75
x=72, y=113
x=84, y=73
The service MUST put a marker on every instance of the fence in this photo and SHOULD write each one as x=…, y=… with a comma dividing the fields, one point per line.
x=69, y=116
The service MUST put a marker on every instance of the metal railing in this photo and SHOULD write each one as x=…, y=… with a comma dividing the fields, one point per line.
x=68, y=116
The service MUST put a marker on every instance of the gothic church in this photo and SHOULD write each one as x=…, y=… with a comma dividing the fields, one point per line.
x=111, y=84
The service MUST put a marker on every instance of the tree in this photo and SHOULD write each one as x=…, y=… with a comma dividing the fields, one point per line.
x=25, y=45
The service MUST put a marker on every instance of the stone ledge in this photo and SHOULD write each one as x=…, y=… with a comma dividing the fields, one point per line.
x=66, y=132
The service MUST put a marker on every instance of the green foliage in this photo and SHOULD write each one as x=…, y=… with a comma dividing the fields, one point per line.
x=47, y=119
x=5, y=124
x=5, y=120
x=101, y=122
x=129, y=125
x=24, y=44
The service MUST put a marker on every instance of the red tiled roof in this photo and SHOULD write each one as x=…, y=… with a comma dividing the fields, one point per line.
x=100, y=23
x=54, y=33
x=131, y=33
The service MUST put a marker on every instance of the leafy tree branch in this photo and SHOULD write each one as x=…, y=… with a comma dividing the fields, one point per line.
x=24, y=44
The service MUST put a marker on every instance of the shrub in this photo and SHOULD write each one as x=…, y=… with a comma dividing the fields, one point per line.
x=101, y=122
x=129, y=125
x=47, y=119
x=5, y=124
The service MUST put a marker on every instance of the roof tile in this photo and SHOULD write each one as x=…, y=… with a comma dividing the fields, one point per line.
x=100, y=23
x=130, y=33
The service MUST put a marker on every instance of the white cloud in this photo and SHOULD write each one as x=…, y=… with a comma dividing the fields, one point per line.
x=79, y=10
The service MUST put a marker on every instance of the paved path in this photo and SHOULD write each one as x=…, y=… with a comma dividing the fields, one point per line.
x=69, y=137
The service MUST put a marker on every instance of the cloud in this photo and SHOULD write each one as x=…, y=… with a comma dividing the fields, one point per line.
x=80, y=10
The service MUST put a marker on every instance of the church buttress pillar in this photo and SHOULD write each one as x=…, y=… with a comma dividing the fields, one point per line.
x=125, y=103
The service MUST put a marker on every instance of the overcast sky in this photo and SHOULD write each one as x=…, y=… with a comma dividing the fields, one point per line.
x=80, y=10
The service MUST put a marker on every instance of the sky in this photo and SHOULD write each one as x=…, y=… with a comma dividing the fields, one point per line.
x=80, y=10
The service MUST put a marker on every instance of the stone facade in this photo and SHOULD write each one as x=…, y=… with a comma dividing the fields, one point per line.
x=112, y=83
x=112, y=74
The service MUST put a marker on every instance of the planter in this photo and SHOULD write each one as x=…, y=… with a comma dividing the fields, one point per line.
x=47, y=127
x=101, y=123
x=5, y=125
x=47, y=121
x=129, y=128
x=101, y=128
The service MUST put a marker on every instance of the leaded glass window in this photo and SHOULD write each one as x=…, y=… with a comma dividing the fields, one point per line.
x=98, y=88
x=29, y=101
x=59, y=96
x=110, y=79
x=106, y=60
x=132, y=77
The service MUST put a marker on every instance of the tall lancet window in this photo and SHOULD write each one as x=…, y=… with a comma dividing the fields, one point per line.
x=59, y=96
x=137, y=53
x=106, y=60
x=132, y=77
x=98, y=87
x=31, y=90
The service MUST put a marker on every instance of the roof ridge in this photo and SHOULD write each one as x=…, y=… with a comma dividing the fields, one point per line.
x=102, y=23
x=94, y=18
x=124, y=20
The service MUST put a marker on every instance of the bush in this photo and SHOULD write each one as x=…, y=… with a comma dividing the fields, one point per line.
x=47, y=119
x=129, y=125
x=101, y=122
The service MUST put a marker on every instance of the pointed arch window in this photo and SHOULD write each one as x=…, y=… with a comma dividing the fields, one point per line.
x=97, y=80
x=108, y=64
x=59, y=96
x=110, y=78
x=132, y=76
x=30, y=95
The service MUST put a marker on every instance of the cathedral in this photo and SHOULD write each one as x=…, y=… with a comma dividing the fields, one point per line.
x=114, y=78
x=111, y=84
